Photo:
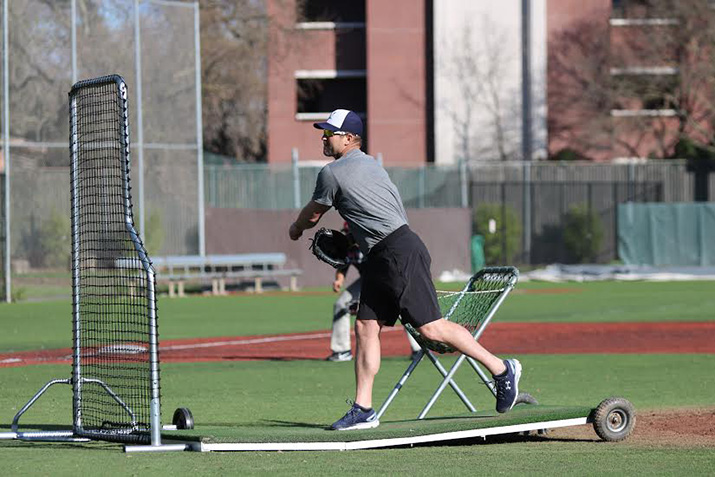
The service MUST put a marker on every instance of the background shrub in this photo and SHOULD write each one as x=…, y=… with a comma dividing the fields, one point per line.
x=54, y=241
x=502, y=246
x=583, y=234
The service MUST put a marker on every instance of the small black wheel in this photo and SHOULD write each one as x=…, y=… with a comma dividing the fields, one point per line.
x=183, y=419
x=525, y=398
x=614, y=419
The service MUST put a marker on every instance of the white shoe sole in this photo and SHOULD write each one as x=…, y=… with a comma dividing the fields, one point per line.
x=362, y=425
x=517, y=376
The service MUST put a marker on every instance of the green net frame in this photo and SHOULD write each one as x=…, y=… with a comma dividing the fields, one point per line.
x=473, y=307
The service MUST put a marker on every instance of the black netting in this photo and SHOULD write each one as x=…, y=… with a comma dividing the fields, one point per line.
x=471, y=306
x=113, y=281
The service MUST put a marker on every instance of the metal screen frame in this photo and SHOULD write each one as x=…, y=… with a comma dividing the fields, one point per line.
x=145, y=265
x=135, y=434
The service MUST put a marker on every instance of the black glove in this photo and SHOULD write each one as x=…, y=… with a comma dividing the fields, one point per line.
x=335, y=248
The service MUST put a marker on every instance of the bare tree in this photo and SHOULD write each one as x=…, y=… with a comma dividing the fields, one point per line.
x=636, y=89
x=692, y=46
x=484, y=115
x=38, y=64
x=578, y=88
x=233, y=50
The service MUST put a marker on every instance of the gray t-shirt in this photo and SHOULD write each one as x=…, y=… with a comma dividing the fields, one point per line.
x=362, y=192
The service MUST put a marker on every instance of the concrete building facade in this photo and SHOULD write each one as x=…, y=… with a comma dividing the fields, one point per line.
x=478, y=80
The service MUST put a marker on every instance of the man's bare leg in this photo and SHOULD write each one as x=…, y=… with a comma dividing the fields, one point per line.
x=459, y=338
x=367, y=359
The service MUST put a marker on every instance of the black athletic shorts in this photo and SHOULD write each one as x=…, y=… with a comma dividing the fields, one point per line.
x=396, y=281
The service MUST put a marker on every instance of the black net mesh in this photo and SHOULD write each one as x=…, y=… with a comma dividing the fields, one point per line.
x=471, y=306
x=113, y=281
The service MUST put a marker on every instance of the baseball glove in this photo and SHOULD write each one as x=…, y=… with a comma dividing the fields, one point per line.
x=333, y=247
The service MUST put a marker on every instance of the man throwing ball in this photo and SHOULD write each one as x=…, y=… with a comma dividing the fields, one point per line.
x=396, y=274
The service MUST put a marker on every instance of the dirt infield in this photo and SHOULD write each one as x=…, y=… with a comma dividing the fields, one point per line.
x=686, y=428
x=501, y=338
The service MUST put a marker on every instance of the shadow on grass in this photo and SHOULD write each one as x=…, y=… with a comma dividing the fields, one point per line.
x=92, y=446
x=22, y=427
x=50, y=444
x=304, y=425
x=442, y=418
x=504, y=439
x=265, y=423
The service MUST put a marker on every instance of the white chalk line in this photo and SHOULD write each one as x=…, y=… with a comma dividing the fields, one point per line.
x=268, y=339
x=211, y=344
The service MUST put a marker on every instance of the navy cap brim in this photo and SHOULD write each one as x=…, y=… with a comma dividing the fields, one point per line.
x=327, y=126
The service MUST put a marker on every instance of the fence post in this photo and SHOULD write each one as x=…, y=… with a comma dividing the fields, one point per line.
x=6, y=150
x=296, y=178
x=421, y=187
x=139, y=144
x=630, y=179
x=199, y=133
x=463, y=183
x=527, y=210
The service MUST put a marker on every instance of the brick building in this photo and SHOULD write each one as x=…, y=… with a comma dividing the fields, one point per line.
x=319, y=60
x=441, y=80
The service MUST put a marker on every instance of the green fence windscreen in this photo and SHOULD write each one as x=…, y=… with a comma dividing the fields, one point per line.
x=667, y=234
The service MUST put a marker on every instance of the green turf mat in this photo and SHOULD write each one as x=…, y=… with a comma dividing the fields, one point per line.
x=286, y=431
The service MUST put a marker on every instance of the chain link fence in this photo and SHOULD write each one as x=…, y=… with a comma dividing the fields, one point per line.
x=48, y=46
x=528, y=213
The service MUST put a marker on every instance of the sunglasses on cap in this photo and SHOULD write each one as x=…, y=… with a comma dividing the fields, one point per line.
x=329, y=133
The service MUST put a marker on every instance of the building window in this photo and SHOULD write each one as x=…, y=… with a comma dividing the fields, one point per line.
x=645, y=92
x=642, y=8
x=331, y=11
x=323, y=95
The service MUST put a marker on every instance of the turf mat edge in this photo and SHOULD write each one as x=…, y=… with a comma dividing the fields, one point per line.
x=284, y=431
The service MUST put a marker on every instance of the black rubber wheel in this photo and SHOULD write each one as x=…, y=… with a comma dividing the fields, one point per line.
x=525, y=398
x=183, y=419
x=614, y=419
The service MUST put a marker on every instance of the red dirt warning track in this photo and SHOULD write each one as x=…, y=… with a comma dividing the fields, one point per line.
x=501, y=338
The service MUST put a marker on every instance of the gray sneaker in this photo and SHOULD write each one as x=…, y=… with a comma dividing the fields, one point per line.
x=507, y=385
x=356, y=418
x=340, y=356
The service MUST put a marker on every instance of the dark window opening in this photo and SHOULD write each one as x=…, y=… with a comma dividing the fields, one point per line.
x=331, y=11
x=642, y=8
x=325, y=95
x=636, y=92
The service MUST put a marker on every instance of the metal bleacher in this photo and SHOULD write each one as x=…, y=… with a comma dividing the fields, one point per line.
x=178, y=270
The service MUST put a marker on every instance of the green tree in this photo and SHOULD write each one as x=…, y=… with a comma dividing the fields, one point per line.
x=54, y=240
x=154, y=239
x=583, y=233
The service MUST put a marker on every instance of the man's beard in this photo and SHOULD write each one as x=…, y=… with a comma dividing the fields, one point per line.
x=328, y=150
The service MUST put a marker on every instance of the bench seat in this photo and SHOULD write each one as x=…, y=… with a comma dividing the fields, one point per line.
x=178, y=270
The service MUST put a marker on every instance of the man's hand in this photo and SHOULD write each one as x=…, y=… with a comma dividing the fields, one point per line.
x=294, y=232
x=338, y=283
x=307, y=219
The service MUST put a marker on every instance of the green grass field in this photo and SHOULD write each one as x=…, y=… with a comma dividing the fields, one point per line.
x=299, y=395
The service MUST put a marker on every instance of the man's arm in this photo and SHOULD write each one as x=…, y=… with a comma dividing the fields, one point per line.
x=339, y=279
x=307, y=219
